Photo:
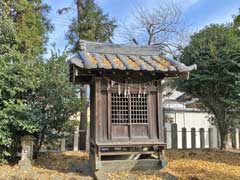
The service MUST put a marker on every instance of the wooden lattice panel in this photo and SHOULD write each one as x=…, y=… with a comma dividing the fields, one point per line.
x=136, y=103
x=120, y=106
x=139, y=109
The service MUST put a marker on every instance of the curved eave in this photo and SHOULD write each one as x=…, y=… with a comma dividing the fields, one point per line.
x=129, y=63
x=80, y=75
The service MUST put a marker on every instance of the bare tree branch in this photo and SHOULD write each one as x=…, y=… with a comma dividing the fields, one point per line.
x=161, y=26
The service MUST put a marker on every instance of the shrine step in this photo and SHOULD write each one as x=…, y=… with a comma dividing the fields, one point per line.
x=119, y=166
x=130, y=165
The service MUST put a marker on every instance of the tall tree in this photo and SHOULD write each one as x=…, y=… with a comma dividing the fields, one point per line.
x=31, y=26
x=234, y=100
x=23, y=29
x=83, y=90
x=55, y=99
x=215, y=50
x=91, y=24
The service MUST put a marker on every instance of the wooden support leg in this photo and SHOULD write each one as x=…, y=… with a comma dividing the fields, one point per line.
x=136, y=156
x=161, y=156
x=160, y=152
x=98, y=157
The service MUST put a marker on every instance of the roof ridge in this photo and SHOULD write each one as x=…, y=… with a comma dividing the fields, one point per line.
x=127, y=49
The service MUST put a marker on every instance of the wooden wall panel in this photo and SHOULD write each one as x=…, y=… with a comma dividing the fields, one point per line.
x=160, y=113
x=120, y=131
x=104, y=116
x=139, y=130
x=153, y=115
x=92, y=112
x=98, y=109
x=101, y=128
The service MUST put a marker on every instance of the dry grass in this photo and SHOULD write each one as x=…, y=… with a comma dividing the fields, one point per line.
x=190, y=165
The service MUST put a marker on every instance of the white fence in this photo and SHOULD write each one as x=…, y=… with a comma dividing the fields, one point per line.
x=192, y=138
x=183, y=138
x=192, y=130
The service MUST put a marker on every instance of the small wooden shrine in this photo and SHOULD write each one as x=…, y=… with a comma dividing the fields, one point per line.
x=126, y=117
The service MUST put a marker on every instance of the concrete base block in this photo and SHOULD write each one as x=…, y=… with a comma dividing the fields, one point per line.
x=130, y=165
x=163, y=163
x=25, y=165
x=148, y=166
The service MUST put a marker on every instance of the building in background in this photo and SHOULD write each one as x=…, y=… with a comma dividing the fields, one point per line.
x=187, y=112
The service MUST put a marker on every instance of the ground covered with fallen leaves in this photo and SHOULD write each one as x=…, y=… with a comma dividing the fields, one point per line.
x=184, y=164
x=51, y=166
x=207, y=164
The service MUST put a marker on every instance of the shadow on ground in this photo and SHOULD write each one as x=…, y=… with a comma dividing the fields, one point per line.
x=66, y=162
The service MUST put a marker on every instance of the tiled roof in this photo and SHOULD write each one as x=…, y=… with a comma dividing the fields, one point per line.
x=125, y=57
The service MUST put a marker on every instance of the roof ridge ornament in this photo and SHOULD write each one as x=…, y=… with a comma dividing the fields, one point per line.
x=181, y=67
x=82, y=45
x=124, y=49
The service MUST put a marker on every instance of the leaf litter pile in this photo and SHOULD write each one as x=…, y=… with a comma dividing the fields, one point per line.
x=184, y=164
x=50, y=166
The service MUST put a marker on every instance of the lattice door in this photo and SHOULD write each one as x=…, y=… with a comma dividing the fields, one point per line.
x=120, y=109
x=129, y=115
x=139, y=111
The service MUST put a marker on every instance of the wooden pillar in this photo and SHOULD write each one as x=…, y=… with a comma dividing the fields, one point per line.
x=174, y=134
x=210, y=133
x=193, y=138
x=165, y=135
x=63, y=144
x=218, y=139
x=75, y=139
x=95, y=122
x=229, y=141
x=237, y=138
x=184, y=138
x=202, y=138
x=160, y=112
x=88, y=140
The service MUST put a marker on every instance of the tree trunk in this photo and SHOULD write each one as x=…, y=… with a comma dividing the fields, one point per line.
x=39, y=145
x=83, y=119
x=80, y=13
x=14, y=148
x=80, y=9
x=39, y=141
x=83, y=116
x=219, y=110
x=223, y=136
x=223, y=141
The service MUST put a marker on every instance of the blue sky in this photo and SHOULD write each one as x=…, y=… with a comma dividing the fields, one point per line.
x=196, y=13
